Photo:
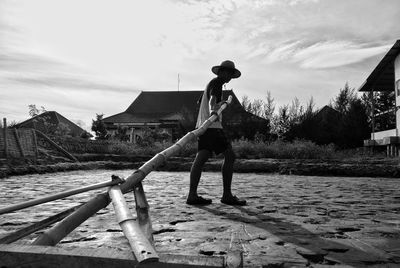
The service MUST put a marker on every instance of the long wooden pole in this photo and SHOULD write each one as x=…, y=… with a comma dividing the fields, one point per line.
x=67, y=225
x=55, y=145
x=36, y=226
x=58, y=232
x=141, y=247
x=64, y=194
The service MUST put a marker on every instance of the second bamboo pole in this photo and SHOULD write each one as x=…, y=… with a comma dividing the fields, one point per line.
x=140, y=245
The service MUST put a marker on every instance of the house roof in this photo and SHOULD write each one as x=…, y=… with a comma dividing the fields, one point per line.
x=156, y=106
x=382, y=77
x=53, y=118
x=327, y=113
x=163, y=102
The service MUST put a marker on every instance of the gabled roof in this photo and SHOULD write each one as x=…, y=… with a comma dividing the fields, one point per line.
x=163, y=102
x=382, y=77
x=327, y=113
x=156, y=106
x=53, y=118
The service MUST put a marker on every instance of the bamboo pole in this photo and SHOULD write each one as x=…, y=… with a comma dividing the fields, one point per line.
x=55, y=145
x=142, y=212
x=54, y=235
x=161, y=157
x=19, y=143
x=61, y=195
x=58, y=232
x=36, y=226
x=141, y=247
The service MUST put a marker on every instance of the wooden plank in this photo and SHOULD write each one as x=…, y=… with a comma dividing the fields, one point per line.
x=140, y=245
x=48, y=257
x=36, y=226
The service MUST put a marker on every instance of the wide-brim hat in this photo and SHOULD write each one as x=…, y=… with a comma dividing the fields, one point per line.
x=227, y=65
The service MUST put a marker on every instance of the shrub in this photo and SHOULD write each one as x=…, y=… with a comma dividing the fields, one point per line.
x=298, y=149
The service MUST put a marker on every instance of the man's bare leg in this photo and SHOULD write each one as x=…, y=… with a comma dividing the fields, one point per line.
x=227, y=172
x=195, y=174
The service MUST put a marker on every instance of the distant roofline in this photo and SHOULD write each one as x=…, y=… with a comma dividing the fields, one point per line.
x=180, y=91
x=382, y=77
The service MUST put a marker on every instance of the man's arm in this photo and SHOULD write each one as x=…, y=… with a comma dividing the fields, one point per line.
x=213, y=104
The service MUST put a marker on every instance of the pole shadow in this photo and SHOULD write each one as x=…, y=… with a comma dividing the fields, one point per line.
x=319, y=249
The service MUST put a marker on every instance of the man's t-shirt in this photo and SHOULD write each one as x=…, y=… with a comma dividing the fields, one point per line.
x=214, y=88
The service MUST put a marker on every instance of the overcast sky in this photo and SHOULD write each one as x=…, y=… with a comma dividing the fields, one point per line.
x=92, y=56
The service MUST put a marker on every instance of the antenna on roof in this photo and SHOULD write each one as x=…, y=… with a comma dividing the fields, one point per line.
x=178, y=82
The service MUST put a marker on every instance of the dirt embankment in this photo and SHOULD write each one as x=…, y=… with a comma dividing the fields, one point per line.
x=365, y=167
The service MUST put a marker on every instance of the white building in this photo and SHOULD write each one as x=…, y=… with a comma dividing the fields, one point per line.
x=386, y=77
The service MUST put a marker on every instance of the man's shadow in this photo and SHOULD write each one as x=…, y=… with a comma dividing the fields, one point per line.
x=318, y=249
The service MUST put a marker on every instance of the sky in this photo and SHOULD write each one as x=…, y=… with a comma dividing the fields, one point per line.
x=88, y=57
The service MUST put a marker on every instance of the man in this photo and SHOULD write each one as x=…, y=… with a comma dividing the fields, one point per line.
x=214, y=140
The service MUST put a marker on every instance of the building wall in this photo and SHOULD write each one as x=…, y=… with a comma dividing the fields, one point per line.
x=26, y=139
x=397, y=89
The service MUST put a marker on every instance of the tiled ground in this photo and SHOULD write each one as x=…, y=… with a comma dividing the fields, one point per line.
x=289, y=221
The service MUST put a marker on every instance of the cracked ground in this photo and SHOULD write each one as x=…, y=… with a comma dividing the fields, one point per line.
x=300, y=221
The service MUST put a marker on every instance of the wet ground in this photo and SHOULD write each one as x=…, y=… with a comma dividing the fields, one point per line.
x=289, y=221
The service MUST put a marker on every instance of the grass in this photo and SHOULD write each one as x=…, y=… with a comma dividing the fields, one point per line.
x=298, y=149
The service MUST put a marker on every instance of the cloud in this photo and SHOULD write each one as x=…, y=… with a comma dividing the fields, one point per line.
x=72, y=82
x=335, y=54
x=131, y=44
x=39, y=70
x=323, y=54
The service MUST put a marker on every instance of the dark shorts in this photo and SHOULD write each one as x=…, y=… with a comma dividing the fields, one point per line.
x=214, y=140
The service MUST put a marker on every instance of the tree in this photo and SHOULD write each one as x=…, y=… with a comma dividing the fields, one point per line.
x=246, y=103
x=152, y=135
x=344, y=99
x=85, y=135
x=269, y=107
x=122, y=134
x=34, y=111
x=384, y=110
x=354, y=125
x=281, y=123
x=99, y=127
x=257, y=107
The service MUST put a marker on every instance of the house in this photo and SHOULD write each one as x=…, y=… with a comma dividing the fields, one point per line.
x=51, y=122
x=175, y=112
x=321, y=127
x=385, y=77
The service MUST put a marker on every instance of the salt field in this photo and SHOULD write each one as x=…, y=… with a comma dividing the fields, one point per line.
x=289, y=220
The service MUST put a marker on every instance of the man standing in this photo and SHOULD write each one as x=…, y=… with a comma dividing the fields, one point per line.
x=214, y=139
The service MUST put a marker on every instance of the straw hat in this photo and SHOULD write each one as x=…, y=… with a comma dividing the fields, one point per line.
x=227, y=65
